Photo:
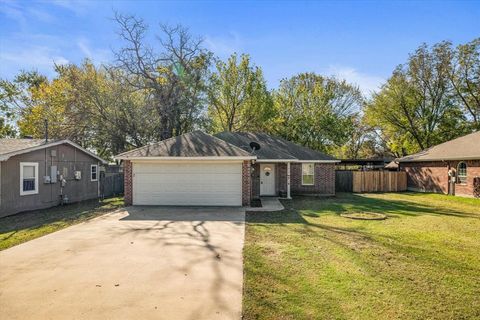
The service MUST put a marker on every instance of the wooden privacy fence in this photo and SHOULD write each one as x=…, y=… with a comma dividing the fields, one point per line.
x=111, y=184
x=371, y=181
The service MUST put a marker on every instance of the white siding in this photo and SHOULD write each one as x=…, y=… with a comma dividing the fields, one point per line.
x=187, y=183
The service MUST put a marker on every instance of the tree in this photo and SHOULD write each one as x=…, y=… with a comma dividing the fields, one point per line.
x=362, y=142
x=15, y=95
x=173, y=78
x=316, y=111
x=7, y=115
x=464, y=76
x=91, y=106
x=416, y=108
x=238, y=99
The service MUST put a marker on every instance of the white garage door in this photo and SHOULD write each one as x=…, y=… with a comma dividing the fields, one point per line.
x=187, y=184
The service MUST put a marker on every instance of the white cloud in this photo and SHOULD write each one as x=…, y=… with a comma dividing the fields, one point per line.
x=77, y=7
x=13, y=11
x=23, y=12
x=96, y=55
x=39, y=58
x=366, y=82
x=41, y=15
x=224, y=46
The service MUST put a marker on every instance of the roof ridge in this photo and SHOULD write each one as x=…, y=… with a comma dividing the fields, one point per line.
x=281, y=146
x=449, y=141
x=154, y=144
x=228, y=143
x=7, y=155
x=438, y=145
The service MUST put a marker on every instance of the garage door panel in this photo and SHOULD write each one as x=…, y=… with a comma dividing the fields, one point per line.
x=187, y=184
x=190, y=168
x=170, y=199
x=184, y=181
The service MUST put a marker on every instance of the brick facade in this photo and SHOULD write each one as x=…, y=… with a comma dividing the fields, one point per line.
x=246, y=183
x=127, y=172
x=281, y=178
x=324, y=180
x=433, y=176
x=256, y=180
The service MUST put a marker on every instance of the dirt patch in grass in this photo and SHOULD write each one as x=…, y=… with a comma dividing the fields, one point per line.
x=364, y=216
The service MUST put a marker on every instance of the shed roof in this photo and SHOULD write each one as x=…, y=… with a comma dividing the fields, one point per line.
x=273, y=148
x=194, y=144
x=10, y=147
x=463, y=148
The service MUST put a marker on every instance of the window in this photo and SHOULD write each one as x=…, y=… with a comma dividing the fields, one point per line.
x=28, y=178
x=93, y=172
x=462, y=172
x=308, y=174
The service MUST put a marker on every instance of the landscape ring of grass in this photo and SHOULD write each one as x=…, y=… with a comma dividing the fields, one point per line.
x=364, y=215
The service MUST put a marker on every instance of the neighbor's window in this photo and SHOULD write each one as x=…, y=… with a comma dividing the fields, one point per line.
x=28, y=178
x=462, y=172
x=307, y=174
x=93, y=172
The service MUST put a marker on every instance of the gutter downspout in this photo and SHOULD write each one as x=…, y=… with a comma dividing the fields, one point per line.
x=450, y=183
x=288, y=181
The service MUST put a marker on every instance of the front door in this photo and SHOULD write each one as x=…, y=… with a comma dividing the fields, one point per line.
x=267, y=179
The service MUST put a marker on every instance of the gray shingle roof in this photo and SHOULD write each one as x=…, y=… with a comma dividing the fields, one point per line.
x=8, y=145
x=463, y=148
x=272, y=148
x=192, y=144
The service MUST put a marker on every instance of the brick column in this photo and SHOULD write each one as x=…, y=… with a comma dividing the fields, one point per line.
x=246, y=184
x=127, y=182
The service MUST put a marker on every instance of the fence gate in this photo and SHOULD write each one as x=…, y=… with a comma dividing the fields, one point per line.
x=111, y=184
x=476, y=187
x=344, y=181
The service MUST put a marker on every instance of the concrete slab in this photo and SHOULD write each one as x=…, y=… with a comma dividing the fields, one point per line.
x=138, y=263
x=268, y=204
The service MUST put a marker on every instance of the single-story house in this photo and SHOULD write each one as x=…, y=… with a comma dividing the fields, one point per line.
x=35, y=174
x=452, y=167
x=228, y=169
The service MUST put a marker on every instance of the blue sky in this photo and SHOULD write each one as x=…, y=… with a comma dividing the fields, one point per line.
x=361, y=41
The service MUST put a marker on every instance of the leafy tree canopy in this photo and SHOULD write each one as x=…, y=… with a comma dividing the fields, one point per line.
x=316, y=111
x=238, y=99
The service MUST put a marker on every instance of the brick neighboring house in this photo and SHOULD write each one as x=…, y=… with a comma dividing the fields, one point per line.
x=223, y=170
x=452, y=167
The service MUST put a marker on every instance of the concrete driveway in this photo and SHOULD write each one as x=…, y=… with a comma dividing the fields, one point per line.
x=138, y=263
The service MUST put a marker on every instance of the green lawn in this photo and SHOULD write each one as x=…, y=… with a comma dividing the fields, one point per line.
x=29, y=225
x=307, y=262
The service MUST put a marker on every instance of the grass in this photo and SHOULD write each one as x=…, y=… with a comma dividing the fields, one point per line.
x=29, y=225
x=308, y=262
